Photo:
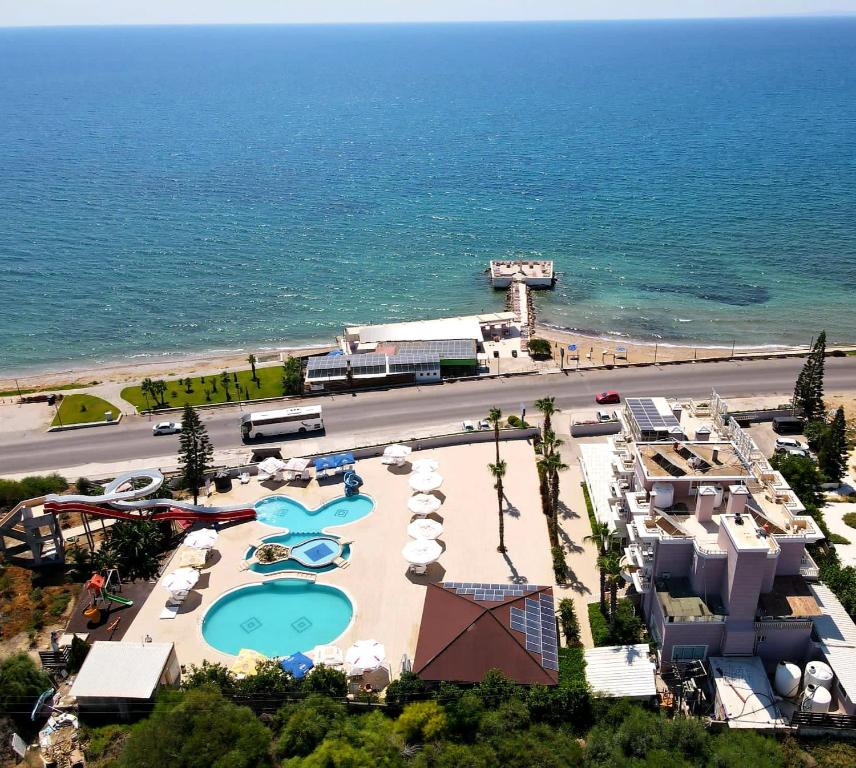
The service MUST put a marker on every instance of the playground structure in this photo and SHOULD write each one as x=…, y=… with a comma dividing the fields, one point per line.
x=353, y=483
x=41, y=536
x=99, y=588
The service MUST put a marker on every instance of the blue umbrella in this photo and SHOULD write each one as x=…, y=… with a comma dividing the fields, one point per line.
x=298, y=664
x=323, y=462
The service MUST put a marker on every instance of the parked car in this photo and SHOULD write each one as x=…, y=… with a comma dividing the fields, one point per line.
x=468, y=426
x=484, y=424
x=788, y=425
x=608, y=397
x=605, y=416
x=787, y=443
x=166, y=428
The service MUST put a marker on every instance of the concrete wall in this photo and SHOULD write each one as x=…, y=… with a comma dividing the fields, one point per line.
x=673, y=556
x=788, y=563
x=692, y=633
x=783, y=643
x=742, y=580
x=591, y=428
x=706, y=577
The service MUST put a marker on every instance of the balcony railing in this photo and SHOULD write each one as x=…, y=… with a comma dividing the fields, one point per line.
x=808, y=568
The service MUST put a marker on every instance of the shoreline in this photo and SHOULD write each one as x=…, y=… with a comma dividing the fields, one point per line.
x=132, y=370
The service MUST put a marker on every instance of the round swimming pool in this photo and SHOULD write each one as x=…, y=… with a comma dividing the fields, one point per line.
x=277, y=617
x=283, y=512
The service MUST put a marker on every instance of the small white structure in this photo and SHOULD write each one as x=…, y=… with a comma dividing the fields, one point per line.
x=621, y=671
x=123, y=678
x=425, y=529
x=534, y=272
x=787, y=679
x=816, y=699
x=423, y=504
x=743, y=696
x=364, y=656
x=425, y=482
x=204, y=538
x=818, y=674
x=420, y=553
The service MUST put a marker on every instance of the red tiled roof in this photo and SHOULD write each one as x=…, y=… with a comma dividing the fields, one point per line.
x=461, y=638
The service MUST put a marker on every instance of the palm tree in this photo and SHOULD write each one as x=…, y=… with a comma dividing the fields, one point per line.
x=498, y=472
x=547, y=406
x=158, y=389
x=252, y=361
x=494, y=418
x=601, y=536
x=610, y=573
x=224, y=379
x=135, y=547
x=146, y=389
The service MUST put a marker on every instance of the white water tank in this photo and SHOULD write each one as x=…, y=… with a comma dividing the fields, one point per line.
x=662, y=495
x=819, y=674
x=787, y=680
x=816, y=699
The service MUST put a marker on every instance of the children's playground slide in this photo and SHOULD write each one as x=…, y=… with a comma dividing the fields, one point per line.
x=123, y=499
x=118, y=599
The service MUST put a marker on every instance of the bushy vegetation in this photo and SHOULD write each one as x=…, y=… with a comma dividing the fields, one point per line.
x=494, y=723
x=540, y=348
x=626, y=625
x=21, y=682
x=14, y=491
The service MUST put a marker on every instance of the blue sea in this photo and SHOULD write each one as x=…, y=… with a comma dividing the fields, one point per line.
x=185, y=189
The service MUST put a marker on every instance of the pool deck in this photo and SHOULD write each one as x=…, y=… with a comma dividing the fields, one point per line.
x=387, y=601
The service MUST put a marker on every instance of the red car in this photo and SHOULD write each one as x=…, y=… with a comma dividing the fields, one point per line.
x=610, y=396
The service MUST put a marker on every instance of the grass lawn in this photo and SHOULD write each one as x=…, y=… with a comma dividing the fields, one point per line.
x=79, y=409
x=850, y=519
x=55, y=388
x=202, y=389
x=572, y=665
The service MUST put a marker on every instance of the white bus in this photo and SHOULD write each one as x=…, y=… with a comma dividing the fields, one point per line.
x=282, y=422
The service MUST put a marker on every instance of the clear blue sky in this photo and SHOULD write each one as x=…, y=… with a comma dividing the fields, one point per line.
x=62, y=12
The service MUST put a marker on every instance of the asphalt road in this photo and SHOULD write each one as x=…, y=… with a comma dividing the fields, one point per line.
x=419, y=407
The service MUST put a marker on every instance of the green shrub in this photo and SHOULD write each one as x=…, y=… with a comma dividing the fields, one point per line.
x=560, y=567
x=850, y=519
x=514, y=421
x=540, y=348
x=599, y=625
x=569, y=621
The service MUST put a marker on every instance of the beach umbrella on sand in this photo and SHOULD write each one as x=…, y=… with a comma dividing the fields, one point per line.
x=425, y=482
x=397, y=451
x=365, y=655
x=422, y=551
x=425, y=529
x=181, y=579
x=204, y=538
x=425, y=465
x=423, y=503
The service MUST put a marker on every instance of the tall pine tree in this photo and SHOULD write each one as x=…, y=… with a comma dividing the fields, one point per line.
x=195, y=451
x=808, y=392
x=832, y=454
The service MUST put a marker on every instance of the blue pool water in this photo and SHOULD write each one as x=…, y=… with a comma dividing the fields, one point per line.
x=277, y=617
x=294, y=540
x=282, y=512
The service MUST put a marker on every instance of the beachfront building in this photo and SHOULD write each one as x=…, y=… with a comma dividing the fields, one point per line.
x=715, y=540
x=535, y=273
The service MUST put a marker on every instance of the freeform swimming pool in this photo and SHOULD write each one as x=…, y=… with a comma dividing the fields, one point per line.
x=284, y=512
x=277, y=617
x=294, y=540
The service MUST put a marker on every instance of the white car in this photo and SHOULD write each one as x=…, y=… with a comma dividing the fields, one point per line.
x=788, y=444
x=166, y=428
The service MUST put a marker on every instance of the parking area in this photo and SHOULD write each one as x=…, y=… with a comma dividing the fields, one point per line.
x=764, y=437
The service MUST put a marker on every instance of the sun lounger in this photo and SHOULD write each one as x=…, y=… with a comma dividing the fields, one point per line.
x=263, y=477
x=169, y=611
x=340, y=562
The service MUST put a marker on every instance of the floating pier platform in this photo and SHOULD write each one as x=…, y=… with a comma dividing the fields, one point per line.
x=535, y=273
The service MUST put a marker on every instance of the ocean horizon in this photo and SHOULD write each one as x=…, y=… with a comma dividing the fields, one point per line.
x=179, y=190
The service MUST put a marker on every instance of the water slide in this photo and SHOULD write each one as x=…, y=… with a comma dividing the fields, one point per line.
x=123, y=501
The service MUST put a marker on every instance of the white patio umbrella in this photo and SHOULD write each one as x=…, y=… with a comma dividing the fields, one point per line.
x=422, y=551
x=204, y=538
x=296, y=465
x=271, y=465
x=423, y=503
x=425, y=482
x=181, y=580
x=425, y=529
x=425, y=465
x=365, y=655
x=397, y=451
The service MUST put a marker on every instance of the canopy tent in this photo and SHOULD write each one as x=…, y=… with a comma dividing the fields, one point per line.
x=425, y=465
x=422, y=551
x=188, y=557
x=397, y=451
x=298, y=664
x=423, y=504
x=180, y=580
x=246, y=663
x=425, y=529
x=365, y=655
x=334, y=462
x=204, y=538
x=296, y=465
x=271, y=465
x=323, y=462
x=425, y=482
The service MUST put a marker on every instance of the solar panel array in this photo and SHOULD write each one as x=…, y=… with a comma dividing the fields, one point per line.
x=448, y=349
x=490, y=592
x=538, y=623
x=647, y=417
x=412, y=356
x=337, y=365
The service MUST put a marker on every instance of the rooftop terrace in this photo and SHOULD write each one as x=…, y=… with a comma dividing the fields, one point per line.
x=676, y=459
x=680, y=603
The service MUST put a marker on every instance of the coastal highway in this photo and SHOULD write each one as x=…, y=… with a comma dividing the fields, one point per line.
x=397, y=410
